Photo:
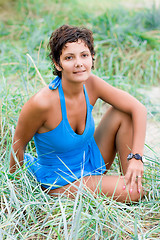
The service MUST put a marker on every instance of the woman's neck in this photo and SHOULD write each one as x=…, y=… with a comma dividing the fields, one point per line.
x=72, y=90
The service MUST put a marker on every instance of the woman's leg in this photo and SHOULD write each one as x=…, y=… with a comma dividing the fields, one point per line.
x=114, y=135
x=111, y=186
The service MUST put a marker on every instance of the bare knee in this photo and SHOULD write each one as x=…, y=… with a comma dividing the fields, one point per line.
x=121, y=116
x=134, y=196
x=123, y=126
x=123, y=195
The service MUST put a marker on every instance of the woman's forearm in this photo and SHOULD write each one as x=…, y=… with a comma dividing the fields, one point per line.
x=17, y=152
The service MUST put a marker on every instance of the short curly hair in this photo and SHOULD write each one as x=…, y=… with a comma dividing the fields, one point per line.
x=68, y=34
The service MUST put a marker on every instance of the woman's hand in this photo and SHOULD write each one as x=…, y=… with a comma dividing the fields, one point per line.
x=134, y=174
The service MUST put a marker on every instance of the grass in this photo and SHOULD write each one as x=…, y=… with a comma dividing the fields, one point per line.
x=127, y=56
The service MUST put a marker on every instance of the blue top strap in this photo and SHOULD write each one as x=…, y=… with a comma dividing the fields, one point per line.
x=55, y=83
x=62, y=100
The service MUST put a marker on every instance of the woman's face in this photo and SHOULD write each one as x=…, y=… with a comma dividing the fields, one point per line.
x=75, y=62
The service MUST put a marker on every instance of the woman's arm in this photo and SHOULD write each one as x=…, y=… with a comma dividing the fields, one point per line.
x=124, y=102
x=31, y=118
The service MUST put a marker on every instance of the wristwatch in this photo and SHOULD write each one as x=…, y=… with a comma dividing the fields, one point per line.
x=136, y=156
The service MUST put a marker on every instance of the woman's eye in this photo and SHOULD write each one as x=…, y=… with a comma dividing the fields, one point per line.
x=68, y=58
x=85, y=55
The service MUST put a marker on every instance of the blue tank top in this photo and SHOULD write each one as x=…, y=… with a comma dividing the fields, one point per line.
x=63, y=155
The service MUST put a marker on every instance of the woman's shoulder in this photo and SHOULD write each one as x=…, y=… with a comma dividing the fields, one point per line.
x=98, y=84
x=94, y=86
x=43, y=99
x=93, y=81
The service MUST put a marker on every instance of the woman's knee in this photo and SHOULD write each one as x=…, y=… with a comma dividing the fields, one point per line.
x=119, y=193
x=120, y=121
x=122, y=117
x=133, y=196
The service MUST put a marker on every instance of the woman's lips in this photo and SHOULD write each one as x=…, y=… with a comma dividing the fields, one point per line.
x=79, y=72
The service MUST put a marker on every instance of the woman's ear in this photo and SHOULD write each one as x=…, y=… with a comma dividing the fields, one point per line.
x=93, y=60
x=58, y=67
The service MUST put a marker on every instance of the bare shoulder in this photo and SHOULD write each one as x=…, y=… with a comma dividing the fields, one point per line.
x=101, y=88
x=94, y=82
x=116, y=97
x=36, y=109
x=34, y=113
x=42, y=100
x=95, y=86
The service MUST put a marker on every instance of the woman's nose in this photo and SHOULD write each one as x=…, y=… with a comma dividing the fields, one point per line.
x=78, y=63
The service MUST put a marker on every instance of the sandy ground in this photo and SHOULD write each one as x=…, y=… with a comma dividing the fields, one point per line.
x=153, y=123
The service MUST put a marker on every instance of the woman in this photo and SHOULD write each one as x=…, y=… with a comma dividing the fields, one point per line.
x=60, y=119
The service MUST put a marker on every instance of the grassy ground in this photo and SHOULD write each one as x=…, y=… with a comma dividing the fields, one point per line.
x=127, y=45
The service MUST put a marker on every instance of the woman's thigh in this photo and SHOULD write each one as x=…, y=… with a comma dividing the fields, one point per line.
x=105, y=135
x=114, y=134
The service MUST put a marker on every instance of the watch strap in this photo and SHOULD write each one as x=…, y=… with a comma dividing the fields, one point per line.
x=136, y=156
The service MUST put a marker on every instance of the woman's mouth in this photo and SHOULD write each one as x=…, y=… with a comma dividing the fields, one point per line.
x=79, y=72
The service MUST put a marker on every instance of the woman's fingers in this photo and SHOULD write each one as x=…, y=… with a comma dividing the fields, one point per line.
x=139, y=182
x=134, y=176
x=136, y=179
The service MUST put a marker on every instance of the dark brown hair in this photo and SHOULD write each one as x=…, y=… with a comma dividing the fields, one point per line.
x=67, y=34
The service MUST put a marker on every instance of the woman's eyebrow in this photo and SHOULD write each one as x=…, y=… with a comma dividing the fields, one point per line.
x=85, y=51
x=70, y=53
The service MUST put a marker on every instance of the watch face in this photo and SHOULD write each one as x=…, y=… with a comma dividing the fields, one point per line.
x=137, y=156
